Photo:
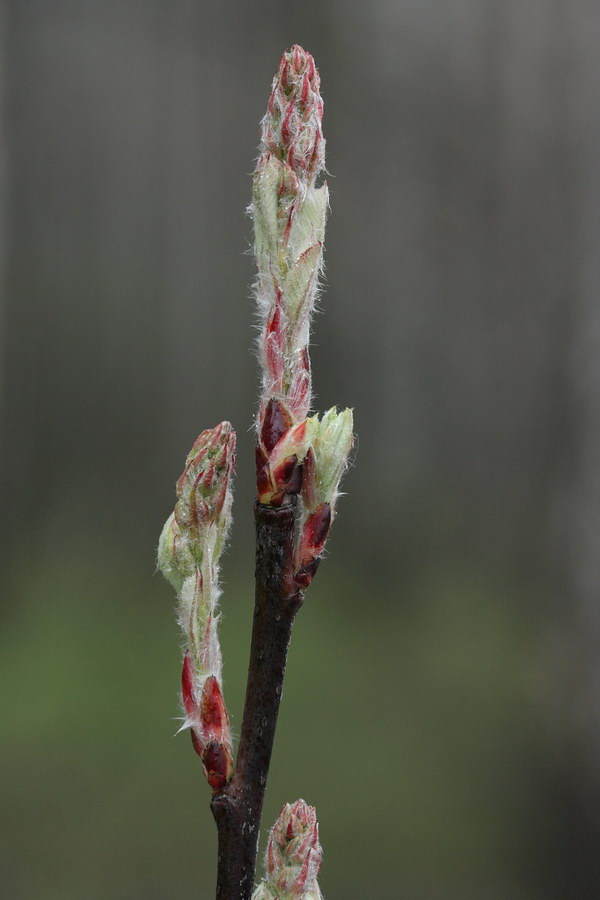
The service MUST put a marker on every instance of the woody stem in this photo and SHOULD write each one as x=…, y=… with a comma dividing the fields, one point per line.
x=237, y=808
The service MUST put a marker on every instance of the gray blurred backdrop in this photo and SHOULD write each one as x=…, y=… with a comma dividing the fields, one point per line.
x=442, y=709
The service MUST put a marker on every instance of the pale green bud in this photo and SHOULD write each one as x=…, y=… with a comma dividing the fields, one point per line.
x=331, y=448
x=174, y=558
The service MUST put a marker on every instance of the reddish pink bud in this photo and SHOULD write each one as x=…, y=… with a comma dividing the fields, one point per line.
x=317, y=528
x=213, y=713
x=305, y=574
x=312, y=541
x=218, y=765
x=275, y=423
x=287, y=476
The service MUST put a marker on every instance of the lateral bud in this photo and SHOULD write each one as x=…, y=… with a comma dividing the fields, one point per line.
x=312, y=543
x=324, y=465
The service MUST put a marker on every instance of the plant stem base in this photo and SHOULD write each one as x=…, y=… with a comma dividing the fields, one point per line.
x=237, y=808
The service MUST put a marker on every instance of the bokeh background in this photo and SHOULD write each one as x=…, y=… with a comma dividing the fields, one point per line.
x=442, y=708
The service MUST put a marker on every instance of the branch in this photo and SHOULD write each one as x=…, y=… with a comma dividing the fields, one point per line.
x=237, y=808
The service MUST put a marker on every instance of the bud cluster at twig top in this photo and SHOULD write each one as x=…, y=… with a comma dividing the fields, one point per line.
x=293, y=856
x=295, y=455
x=289, y=214
x=188, y=554
x=291, y=129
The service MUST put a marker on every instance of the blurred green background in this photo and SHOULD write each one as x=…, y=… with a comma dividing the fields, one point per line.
x=443, y=694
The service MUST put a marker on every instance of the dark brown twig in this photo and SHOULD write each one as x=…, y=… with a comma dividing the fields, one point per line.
x=237, y=808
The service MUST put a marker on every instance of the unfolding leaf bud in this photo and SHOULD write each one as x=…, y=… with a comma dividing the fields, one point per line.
x=293, y=856
x=289, y=213
x=188, y=555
